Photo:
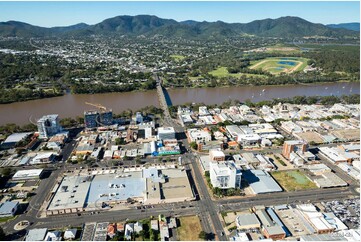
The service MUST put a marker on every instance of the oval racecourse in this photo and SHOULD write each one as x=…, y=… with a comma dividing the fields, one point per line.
x=281, y=64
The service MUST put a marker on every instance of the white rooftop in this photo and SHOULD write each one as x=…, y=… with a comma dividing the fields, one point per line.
x=27, y=173
x=36, y=234
x=14, y=138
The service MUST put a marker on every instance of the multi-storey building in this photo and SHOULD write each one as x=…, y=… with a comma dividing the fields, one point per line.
x=290, y=146
x=48, y=126
x=224, y=175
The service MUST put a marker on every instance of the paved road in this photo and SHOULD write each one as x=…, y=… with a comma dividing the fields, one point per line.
x=35, y=203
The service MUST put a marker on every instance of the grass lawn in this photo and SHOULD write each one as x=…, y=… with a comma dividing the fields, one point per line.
x=293, y=180
x=189, y=229
x=5, y=219
x=280, y=64
x=283, y=49
x=194, y=78
x=223, y=72
x=177, y=57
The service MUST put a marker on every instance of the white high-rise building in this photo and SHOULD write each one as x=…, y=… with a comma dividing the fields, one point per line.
x=224, y=175
x=48, y=126
x=138, y=118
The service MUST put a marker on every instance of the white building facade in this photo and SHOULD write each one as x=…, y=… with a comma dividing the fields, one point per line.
x=224, y=175
x=48, y=126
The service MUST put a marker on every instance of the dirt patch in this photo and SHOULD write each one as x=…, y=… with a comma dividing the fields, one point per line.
x=189, y=229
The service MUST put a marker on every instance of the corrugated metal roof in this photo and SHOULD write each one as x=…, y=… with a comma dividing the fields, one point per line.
x=261, y=182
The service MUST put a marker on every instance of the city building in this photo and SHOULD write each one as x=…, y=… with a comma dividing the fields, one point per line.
x=138, y=118
x=106, y=118
x=8, y=209
x=70, y=234
x=198, y=136
x=203, y=111
x=315, y=218
x=53, y=236
x=249, y=139
x=323, y=237
x=27, y=174
x=129, y=230
x=36, y=234
x=329, y=179
x=274, y=232
x=290, y=146
x=261, y=182
x=91, y=119
x=166, y=133
x=224, y=175
x=103, y=188
x=13, y=139
x=216, y=155
x=48, y=126
x=247, y=221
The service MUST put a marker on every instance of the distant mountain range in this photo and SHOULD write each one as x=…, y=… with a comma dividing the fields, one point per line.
x=349, y=26
x=151, y=25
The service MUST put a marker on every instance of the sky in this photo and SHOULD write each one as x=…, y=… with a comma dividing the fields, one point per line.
x=50, y=14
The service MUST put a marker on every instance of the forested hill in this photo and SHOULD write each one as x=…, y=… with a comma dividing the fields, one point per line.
x=148, y=25
x=349, y=26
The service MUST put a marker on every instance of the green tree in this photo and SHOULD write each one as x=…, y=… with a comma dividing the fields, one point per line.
x=2, y=234
x=7, y=171
x=193, y=145
x=202, y=235
x=138, y=160
x=118, y=141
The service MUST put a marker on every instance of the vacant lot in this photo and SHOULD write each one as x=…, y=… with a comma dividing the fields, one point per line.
x=189, y=229
x=347, y=134
x=223, y=72
x=293, y=180
x=311, y=136
x=280, y=64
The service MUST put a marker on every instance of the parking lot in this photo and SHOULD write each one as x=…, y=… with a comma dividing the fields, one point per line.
x=348, y=211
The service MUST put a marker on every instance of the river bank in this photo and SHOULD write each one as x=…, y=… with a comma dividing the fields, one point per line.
x=72, y=105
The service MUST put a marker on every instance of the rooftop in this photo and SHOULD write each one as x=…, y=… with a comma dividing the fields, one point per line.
x=48, y=117
x=16, y=137
x=247, y=219
x=166, y=130
x=36, y=234
x=8, y=207
x=261, y=182
x=22, y=174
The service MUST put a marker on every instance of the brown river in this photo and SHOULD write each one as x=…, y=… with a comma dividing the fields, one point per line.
x=72, y=105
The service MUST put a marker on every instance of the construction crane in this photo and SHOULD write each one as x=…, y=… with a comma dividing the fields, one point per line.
x=101, y=107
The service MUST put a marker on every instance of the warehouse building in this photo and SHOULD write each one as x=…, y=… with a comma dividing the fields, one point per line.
x=261, y=182
x=36, y=234
x=8, y=209
x=101, y=189
x=247, y=221
x=32, y=174
x=13, y=139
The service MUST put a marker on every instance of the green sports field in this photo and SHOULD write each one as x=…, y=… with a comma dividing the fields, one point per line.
x=223, y=72
x=278, y=65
